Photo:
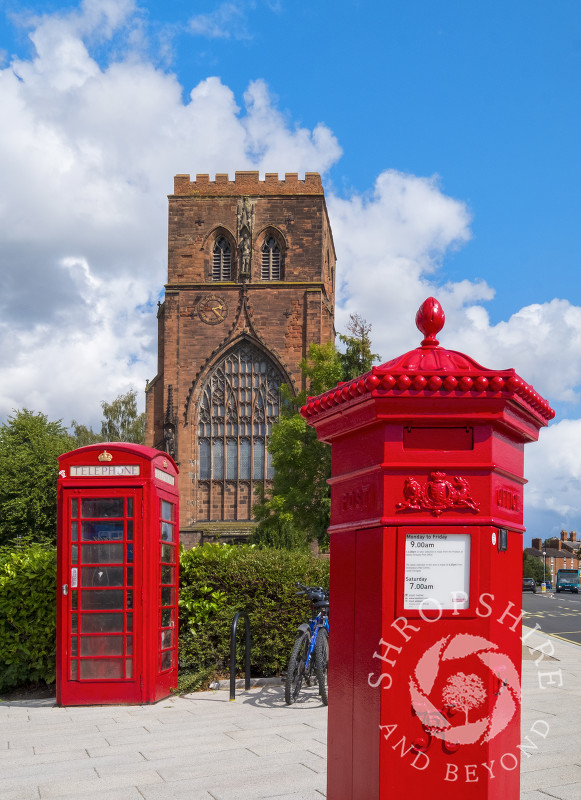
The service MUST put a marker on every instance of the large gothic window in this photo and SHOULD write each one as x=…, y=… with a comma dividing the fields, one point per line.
x=239, y=404
x=221, y=260
x=271, y=258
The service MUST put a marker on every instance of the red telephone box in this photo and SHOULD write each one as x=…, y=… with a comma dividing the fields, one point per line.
x=117, y=579
x=426, y=566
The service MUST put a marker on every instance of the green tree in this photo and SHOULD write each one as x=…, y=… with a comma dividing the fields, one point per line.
x=29, y=447
x=533, y=567
x=121, y=422
x=84, y=435
x=298, y=506
x=357, y=358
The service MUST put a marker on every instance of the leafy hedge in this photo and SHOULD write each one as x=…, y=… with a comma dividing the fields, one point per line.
x=27, y=615
x=216, y=581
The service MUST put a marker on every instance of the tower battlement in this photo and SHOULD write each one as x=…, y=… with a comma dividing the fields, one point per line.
x=248, y=183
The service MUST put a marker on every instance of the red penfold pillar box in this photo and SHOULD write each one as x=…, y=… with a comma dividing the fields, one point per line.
x=426, y=567
x=117, y=575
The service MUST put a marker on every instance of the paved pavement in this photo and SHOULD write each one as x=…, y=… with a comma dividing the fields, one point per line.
x=203, y=746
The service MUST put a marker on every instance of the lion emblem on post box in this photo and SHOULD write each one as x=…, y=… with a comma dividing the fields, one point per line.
x=437, y=494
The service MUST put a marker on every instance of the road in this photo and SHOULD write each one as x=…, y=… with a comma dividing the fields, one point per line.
x=557, y=614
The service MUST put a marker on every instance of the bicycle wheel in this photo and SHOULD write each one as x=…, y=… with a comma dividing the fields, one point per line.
x=322, y=663
x=296, y=668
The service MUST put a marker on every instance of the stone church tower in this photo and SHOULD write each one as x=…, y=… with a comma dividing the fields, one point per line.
x=251, y=280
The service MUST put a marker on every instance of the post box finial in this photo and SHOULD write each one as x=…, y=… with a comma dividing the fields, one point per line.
x=430, y=320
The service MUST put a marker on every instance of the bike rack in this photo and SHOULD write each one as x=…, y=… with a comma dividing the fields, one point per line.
x=233, y=653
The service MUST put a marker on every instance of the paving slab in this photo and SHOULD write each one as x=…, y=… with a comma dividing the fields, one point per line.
x=204, y=747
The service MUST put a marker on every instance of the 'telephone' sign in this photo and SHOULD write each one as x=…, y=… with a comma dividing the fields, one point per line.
x=105, y=471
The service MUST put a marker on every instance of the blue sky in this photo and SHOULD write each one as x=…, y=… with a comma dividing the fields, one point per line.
x=447, y=135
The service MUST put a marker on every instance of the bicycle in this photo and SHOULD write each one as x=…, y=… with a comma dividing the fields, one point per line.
x=310, y=653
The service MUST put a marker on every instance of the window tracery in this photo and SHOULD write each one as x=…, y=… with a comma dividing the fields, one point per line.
x=238, y=407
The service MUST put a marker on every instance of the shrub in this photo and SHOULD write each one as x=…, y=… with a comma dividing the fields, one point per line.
x=27, y=615
x=216, y=581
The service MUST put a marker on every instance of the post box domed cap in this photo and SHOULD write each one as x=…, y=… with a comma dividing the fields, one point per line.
x=432, y=371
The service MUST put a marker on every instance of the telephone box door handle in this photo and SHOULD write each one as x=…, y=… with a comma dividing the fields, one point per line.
x=65, y=588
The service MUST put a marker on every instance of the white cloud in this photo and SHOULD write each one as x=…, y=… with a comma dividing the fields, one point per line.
x=390, y=246
x=553, y=467
x=228, y=21
x=87, y=161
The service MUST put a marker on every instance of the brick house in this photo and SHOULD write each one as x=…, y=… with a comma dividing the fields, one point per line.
x=251, y=284
x=561, y=552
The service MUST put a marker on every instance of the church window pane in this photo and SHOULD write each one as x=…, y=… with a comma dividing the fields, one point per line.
x=258, y=459
x=222, y=260
x=218, y=459
x=231, y=460
x=245, y=459
x=205, y=459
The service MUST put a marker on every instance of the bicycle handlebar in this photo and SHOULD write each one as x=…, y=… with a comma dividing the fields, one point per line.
x=316, y=594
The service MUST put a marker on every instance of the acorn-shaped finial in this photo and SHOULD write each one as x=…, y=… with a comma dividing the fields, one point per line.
x=430, y=320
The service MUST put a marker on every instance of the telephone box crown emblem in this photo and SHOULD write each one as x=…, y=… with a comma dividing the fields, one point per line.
x=105, y=456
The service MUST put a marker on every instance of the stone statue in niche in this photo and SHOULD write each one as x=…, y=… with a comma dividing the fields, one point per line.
x=245, y=226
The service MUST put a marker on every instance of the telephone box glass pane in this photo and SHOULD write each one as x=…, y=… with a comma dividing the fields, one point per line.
x=105, y=598
x=129, y=668
x=73, y=670
x=166, y=510
x=129, y=622
x=166, y=660
x=74, y=599
x=102, y=507
x=130, y=553
x=75, y=553
x=166, y=639
x=166, y=574
x=166, y=531
x=129, y=576
x=102, y=531
x=74, y=507
x=102, y=554
x=130, y=529
x=74, y=623
x=166, y=617
x=102, y=576
x=129, y=506
x=74, y=646
x=166, y=596
x=101, y=645
x=102, y=623
x=129, y=641
x=74, y=531
x=101, y=669
x=167, y=553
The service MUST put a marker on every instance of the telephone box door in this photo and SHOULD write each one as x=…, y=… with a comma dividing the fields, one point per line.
x=101, y=570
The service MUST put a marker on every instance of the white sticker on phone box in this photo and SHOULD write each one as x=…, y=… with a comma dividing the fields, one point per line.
x=74, y=577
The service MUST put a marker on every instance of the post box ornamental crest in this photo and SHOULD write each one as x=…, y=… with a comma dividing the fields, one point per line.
x=433, y=370
x=426, y=522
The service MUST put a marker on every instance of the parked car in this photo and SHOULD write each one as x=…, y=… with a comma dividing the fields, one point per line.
x=528, y=584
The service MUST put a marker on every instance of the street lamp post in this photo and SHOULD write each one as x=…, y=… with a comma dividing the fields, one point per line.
x=545, y=567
